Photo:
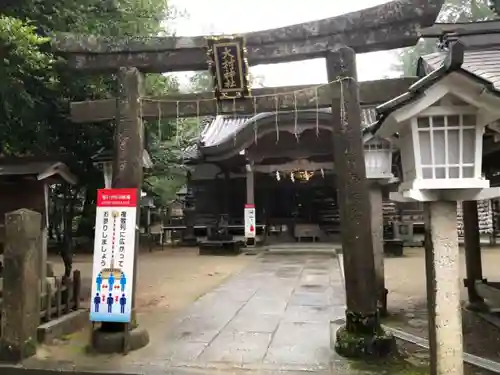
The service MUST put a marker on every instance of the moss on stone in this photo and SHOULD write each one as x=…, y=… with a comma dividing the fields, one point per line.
x=362, y=345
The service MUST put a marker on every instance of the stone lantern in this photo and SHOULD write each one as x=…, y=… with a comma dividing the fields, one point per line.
x=439, y=123
x=441, y=148
x=378, y=165
x=378, y=157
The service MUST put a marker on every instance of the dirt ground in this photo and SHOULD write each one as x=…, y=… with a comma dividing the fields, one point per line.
x=405, y=279
x=172, y=279
x=168, y=282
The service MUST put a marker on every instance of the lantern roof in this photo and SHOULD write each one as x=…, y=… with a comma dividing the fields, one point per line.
x=456, y=72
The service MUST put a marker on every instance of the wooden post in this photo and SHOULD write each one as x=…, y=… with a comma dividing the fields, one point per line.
x=77, y=288
x=362, y=320
x=21, y=285
x=473, y=266
x=443, y=291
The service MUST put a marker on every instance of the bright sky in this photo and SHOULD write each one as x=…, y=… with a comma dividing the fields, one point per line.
x=239, y=16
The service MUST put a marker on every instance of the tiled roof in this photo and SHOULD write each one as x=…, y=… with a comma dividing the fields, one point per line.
x=223, y=127
x=481, y=64
x=42, y=170
x=484, y=64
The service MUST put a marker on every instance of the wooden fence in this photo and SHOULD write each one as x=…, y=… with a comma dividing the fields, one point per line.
x=60, y=299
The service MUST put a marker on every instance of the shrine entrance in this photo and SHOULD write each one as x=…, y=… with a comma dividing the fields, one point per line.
x=300, y=205
x=284, y=165
x=392, y=25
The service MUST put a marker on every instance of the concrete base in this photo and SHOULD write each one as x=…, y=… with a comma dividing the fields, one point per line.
x=114, y=342
x=62, y=326
x=351, y=345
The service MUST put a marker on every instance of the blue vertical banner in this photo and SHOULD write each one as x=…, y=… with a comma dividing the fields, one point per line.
x=114, y=253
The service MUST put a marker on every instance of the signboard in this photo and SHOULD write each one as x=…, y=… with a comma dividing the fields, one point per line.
x=249, y=221
x=114, y=246
x=229, y=67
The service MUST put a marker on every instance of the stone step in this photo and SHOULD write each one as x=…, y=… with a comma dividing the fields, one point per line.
x=306, y=248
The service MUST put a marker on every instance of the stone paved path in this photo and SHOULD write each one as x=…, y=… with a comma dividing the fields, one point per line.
x=275, y=314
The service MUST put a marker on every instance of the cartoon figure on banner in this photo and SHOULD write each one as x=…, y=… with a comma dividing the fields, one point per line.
x=108, y=277
x=97, y=302
x=123, y=302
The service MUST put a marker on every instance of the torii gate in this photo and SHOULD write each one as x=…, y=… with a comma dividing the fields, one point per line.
x=392, y=25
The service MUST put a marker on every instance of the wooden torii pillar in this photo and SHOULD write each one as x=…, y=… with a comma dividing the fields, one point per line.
x=387, y=26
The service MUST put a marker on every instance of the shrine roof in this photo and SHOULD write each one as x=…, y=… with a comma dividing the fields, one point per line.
x=220, y=128
x=40, y=169
x=484, y=64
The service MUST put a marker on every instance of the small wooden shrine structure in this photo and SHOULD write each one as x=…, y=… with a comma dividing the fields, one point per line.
x=24, y=183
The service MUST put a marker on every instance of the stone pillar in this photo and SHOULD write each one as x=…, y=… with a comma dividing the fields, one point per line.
x=377, y=226
x=362, y=333
x=43, y=259
x=473, y=266
x=443, y=289
x=21, y=285
x=129, y=134
x=127, y=173
x=129, y=144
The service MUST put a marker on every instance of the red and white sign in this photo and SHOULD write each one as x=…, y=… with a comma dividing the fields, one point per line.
x=250, y=221
x=114, y=253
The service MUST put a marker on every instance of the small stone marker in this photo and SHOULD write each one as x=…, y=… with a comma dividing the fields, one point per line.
x=21, y=285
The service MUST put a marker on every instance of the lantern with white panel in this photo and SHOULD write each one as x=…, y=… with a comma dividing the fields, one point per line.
x=440, y=136
x=378, y=157
x=439, y=123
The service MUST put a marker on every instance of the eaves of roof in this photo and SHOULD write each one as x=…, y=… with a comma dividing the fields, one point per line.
x=225, y=128
x=453, y=61
x=436, y=66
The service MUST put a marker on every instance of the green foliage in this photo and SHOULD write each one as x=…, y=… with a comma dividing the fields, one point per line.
x=495, y=6
x=37, y=87
x=453, y=11
x=26, y=73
